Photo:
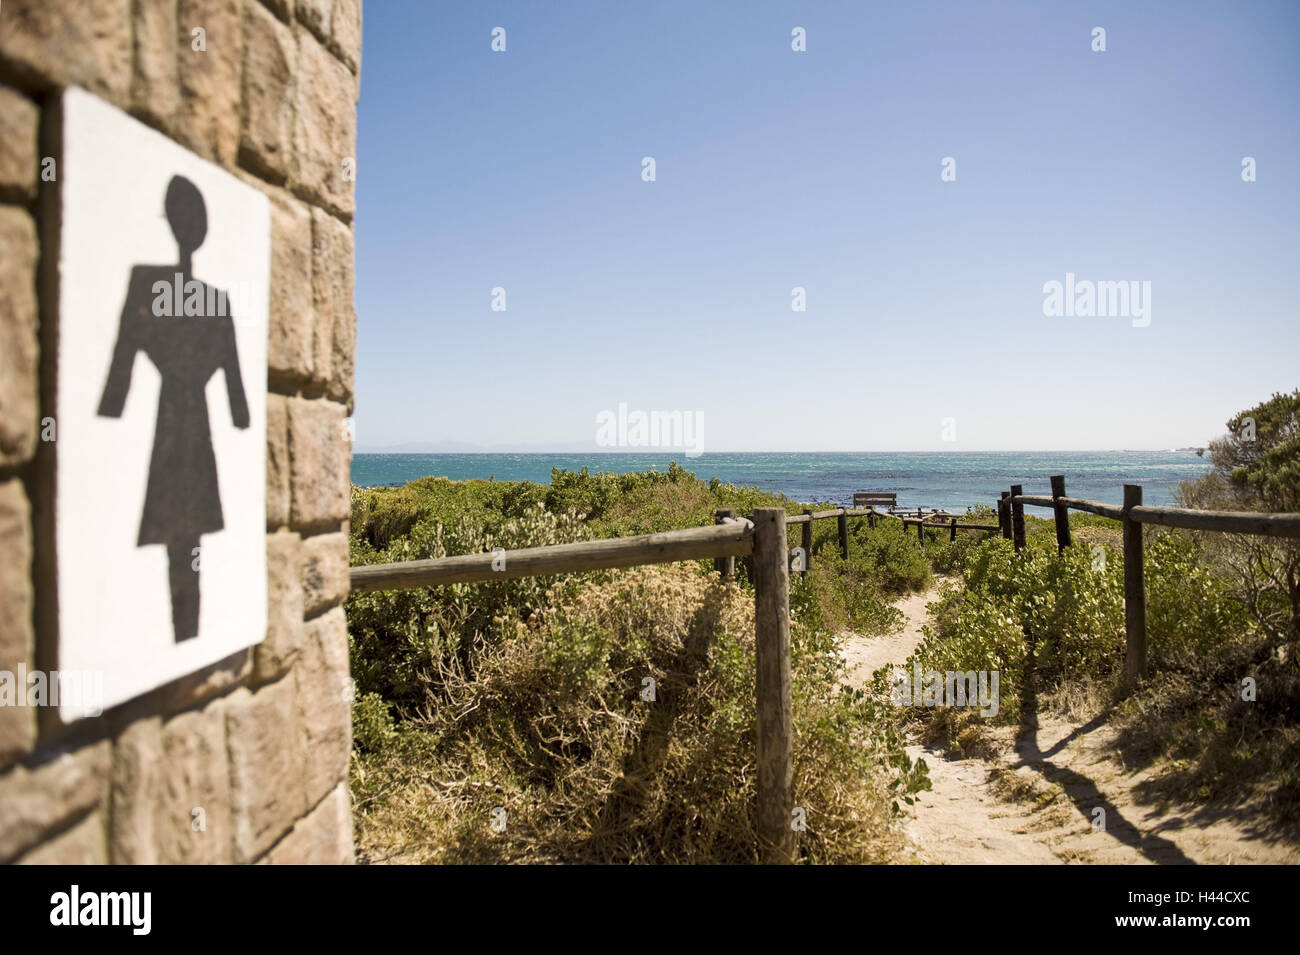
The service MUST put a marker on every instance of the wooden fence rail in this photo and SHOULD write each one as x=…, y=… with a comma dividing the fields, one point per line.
x=722, y=540
x=1132, y=515
x=933, y=520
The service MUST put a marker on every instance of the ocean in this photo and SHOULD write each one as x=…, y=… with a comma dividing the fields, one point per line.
x=941, y=479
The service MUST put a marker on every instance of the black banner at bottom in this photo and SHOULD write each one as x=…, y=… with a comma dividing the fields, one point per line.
x=1225, y=904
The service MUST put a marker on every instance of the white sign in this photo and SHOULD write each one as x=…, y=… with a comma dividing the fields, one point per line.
x=160, y=513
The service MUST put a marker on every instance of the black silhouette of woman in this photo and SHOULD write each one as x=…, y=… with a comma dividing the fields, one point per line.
x=183, y=500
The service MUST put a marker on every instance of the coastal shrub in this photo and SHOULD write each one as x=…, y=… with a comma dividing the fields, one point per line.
x=382, y=515
x=650, y=507
x=949, y=556
x=404, y=641
x=886, y=555
x=1214, y=743
x=1041, y=618
x=556, y=729
x=846, y=596
x=1175, y=570
x=1257, y=468
x=1008, y=604
x=622, y=505
x=591, y=494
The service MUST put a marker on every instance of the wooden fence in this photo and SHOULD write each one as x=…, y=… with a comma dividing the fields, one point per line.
x=1132, y=515
x=763, y=539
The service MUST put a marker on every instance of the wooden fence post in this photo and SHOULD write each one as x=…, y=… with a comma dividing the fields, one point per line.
x=1017, y=518
x=805, y=541
x=843, y=522
x=726, y=566
x=952, y=530
x=1004, y=516
x=1061, y=512
x=920, y=531
x=774, y=706
x=1135, y=594
x=871, y=517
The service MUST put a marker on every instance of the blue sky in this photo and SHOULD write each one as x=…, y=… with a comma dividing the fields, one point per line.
x=821, y=169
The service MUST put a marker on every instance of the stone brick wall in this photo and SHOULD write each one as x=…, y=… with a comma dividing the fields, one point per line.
x=255, y=747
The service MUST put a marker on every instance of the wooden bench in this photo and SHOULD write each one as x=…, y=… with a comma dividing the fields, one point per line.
x=874, y=499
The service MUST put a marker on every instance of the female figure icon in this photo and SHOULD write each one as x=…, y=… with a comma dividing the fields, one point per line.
x=182, y=500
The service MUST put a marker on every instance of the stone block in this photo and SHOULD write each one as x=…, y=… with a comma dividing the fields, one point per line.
x=19, y=164
x=270, y=75
x=335, y=326
x=208, y=121
x=18, y=347
x=325, y=702
x=155, y=80
x=346, y=32
x=324, y=572
x=193, y=814
x=39, y=800
x=135, y=790
x=263, y=741
x=82, y=844
x=326, y=128
x=69, y=44
x=277, y=462
x=284, y=608
x=323, y=837
x=290, y=350
x=318, y=462
x=206, y=683
x=17, y=723
x=315, y=15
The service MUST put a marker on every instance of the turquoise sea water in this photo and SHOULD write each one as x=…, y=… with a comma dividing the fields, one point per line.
x=929, y=479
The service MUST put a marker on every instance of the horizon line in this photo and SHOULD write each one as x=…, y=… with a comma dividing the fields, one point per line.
x=678, y=453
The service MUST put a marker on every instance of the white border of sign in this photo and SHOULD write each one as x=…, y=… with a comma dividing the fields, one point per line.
x=114, y=599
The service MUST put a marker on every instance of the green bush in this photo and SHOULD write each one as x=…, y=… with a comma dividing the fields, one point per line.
x=402, y=640
x=1257, y=468
x=1190, y=610
x=886, y=555
x=949, y=556
x=556, y=728
x=1041, y=618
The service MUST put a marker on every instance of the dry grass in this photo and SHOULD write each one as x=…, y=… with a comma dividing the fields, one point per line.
x=553, y=730
x=1080, y=699
x=959, y=731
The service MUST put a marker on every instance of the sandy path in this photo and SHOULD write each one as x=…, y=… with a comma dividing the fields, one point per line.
x=865, y=655
x=1036, y=803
